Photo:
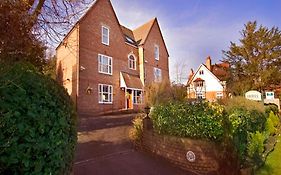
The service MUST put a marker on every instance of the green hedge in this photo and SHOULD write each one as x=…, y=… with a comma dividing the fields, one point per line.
x=200, y=120
x=37, y=123
x=243, y=123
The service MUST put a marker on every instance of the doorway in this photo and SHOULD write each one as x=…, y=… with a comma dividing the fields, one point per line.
x=129, y=99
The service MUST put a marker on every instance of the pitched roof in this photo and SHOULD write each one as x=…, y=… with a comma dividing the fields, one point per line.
x=129, y=36
x=128, y=32
x=221, y=71
x=135, y=37
x=141, y=33
x=193, y=76
x=132, y=81
x=138, y=35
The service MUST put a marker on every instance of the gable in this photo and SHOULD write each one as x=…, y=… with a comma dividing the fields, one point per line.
x=98, y=5
x=155, y=32
x=141, y=33
x=212, y=82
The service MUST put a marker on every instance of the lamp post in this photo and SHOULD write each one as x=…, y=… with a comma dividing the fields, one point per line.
x=147, y=124
x=147, y=110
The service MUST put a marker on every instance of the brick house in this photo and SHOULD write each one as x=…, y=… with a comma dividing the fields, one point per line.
x=105, y=66
x=209, y=81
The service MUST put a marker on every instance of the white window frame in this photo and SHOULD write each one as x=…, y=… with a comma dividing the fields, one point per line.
x=101, y=93
x=156, y=77
x=100, y=65
x=105, y=35
x=200, y=94
x=134, y=62
x=156, y=55
x=219, y=95
x=135, y=97
x=201, y=72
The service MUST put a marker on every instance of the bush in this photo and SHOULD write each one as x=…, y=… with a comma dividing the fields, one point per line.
x=136, y=131
x=200, y=120
x=37, y=123
x=161, y=93
x=269, y=127
x=271, y=108
x=274, y=118
x=241, y=102
x=255, y=148
x=244, y=120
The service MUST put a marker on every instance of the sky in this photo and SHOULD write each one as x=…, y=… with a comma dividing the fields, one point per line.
x=195, y=29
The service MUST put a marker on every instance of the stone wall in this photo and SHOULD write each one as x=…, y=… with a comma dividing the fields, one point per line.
x=208, y=155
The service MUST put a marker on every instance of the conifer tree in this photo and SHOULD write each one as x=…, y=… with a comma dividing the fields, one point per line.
x=255, y=63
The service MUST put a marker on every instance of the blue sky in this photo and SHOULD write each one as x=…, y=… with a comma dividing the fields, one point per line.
x=194, y=29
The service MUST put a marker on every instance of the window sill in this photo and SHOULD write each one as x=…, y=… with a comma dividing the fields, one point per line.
x=107, y=44
x=105, y=103
x=105, y=73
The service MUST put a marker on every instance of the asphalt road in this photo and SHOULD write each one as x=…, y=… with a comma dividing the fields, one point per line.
x=104, y=148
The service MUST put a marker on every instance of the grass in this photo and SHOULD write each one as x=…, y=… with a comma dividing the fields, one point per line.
x=272, y=165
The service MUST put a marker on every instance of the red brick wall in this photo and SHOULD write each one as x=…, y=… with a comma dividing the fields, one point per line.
x=174, y=149
x=67, y=62
x=90, y=46
x=153, y=38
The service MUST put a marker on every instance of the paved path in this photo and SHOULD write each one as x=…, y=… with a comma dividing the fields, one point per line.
x=105, y=149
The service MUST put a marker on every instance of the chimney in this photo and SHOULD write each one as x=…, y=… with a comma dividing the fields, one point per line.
x=191, y=73
x=209, y=63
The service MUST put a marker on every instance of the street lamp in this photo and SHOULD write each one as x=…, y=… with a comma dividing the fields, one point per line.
x=147, y=124
x=147, y=110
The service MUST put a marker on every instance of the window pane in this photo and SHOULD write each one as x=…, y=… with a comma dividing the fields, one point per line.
x=105, y=35
x=156, y=52
x=105, y=88
x=105, y=31
x=100, y=97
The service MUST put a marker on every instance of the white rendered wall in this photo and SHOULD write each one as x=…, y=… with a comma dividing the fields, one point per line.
x=211, y=82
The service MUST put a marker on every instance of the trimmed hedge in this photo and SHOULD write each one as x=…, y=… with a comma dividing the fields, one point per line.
x=200, y=120
x=37, y=123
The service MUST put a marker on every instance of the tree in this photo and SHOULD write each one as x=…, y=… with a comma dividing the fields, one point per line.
x=50, y=67
x=30, y=25
x=180, y=71
x=255, y=63
x=18, y=42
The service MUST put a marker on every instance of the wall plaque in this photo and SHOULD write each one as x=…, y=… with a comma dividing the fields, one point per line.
x=190, y=156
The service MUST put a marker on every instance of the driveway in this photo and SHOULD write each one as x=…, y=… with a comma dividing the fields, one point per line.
x=105, y=149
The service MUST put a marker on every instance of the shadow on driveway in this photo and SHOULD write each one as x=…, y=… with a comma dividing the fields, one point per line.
x=104, y=148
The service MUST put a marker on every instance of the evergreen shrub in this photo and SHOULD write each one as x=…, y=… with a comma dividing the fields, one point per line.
x=37, y=123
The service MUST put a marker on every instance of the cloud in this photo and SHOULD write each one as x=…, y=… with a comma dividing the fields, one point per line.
x=188, y=42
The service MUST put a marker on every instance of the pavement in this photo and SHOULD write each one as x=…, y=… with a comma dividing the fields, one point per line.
x=104, y=148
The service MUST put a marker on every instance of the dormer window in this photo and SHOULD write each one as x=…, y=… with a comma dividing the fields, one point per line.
x=132, y=62
x=105, y=35
x=156, y=52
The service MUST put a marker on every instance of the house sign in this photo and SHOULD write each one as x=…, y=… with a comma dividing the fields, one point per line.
x=190, y=156
x=253, y=95
x=269, y=95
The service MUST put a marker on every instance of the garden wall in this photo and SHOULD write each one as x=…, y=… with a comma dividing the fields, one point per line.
x=207, y=154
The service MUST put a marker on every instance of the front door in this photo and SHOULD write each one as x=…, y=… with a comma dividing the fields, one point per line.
x=129, y=99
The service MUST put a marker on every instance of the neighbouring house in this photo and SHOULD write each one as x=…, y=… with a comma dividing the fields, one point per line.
x=208, y=81
x=105, y=66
